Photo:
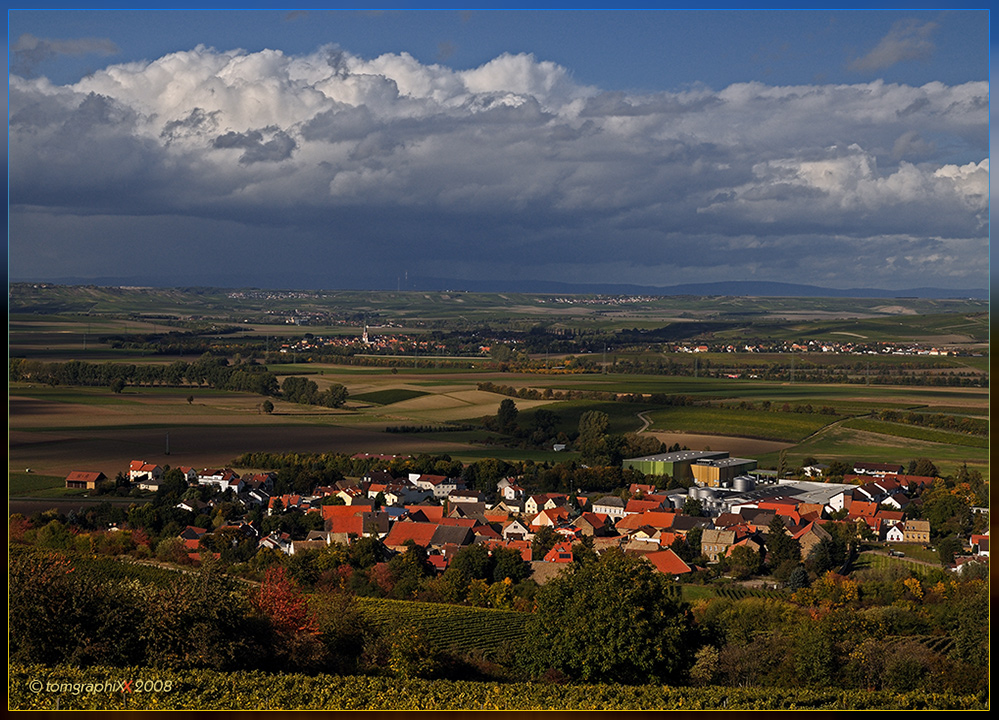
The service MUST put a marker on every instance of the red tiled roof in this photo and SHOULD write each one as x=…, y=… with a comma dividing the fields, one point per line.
x=348, y=525
x=432, y=512
x=667, y=562
x=334, y=511
x=420, y=533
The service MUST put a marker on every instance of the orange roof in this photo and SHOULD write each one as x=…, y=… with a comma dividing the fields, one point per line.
x=459, y=522
x=353, y=524
x=667, y=562
x=859, y=508
x=656, y=519
x=420, y=533
x=640, y=506
x=433, y=512
x=341, y=511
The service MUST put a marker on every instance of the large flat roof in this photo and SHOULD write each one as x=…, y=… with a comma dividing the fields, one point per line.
x=681, y=456
x=724, y=462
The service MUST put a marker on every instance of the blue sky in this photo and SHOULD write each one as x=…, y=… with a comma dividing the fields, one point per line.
x=843, y=148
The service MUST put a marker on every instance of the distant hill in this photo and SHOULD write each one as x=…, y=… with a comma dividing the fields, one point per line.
x=736, y=288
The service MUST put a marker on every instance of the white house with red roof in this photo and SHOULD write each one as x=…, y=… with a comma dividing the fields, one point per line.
x=222, y=478
x=141, y=470
x=439, y=485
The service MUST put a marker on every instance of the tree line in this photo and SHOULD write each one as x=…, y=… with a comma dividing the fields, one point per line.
x=218, y=373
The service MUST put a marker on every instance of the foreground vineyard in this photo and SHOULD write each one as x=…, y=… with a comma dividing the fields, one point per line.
x=453, y=626
x=36, y=687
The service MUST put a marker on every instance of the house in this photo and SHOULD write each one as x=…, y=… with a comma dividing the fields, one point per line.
x=980, y=544
x=659, y=520
x=400, y=533
x=190, y=474
x=397, y=494
x=468, y=510
x=298, y=546
x=515, y=530
x=141, y=470
x=549, y=518
x=191, y=506
x=715, y=543
x=508, y=507
x=610, y=505
x=869, y=468
x=640, y=489
x=561, y=552
x=592, y=524
x=464, y=496
x=635, y=506
x=261, y=482
x=439, y=485
x=682, y=524
x=667, y=562
x=430, y=513
x=192, y=532
x=149, y=484
x=222, y=479
x=451, y=535
x=537, y=503
x=810, y=536
x=85, y=480
x=521, y=546
x=917, y=531
x=896, y=533
x=510, y=490
x=486, y=532
x=753, y=542
x=280, y=541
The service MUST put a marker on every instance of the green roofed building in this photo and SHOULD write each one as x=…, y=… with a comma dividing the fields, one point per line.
x=675, y=464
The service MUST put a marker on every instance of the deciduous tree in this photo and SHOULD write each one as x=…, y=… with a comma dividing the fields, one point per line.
x=613, y=620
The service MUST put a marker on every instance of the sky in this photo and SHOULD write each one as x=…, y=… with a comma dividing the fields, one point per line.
x=358, y=149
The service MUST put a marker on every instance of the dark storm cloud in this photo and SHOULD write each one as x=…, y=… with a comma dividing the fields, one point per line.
x=279, y=147
x=197, y=122
x=509, y=169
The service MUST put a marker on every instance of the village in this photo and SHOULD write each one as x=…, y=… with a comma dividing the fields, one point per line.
x=729, y=508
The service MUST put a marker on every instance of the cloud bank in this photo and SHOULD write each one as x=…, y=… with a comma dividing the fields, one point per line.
x=258, y=164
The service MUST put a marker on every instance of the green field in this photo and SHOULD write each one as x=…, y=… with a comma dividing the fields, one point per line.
x=784, y=426
x=23, y=484
x=917, y=433
x=850, y=445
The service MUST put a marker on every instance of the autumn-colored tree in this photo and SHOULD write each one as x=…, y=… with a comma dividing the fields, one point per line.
x=281, y=600
x=296, y=641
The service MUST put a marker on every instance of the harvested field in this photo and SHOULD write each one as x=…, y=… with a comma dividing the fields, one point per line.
x=463, y=405
x=224, y=409
x=111, y=449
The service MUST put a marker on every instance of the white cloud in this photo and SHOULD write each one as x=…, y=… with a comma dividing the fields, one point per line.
x=512, y=156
